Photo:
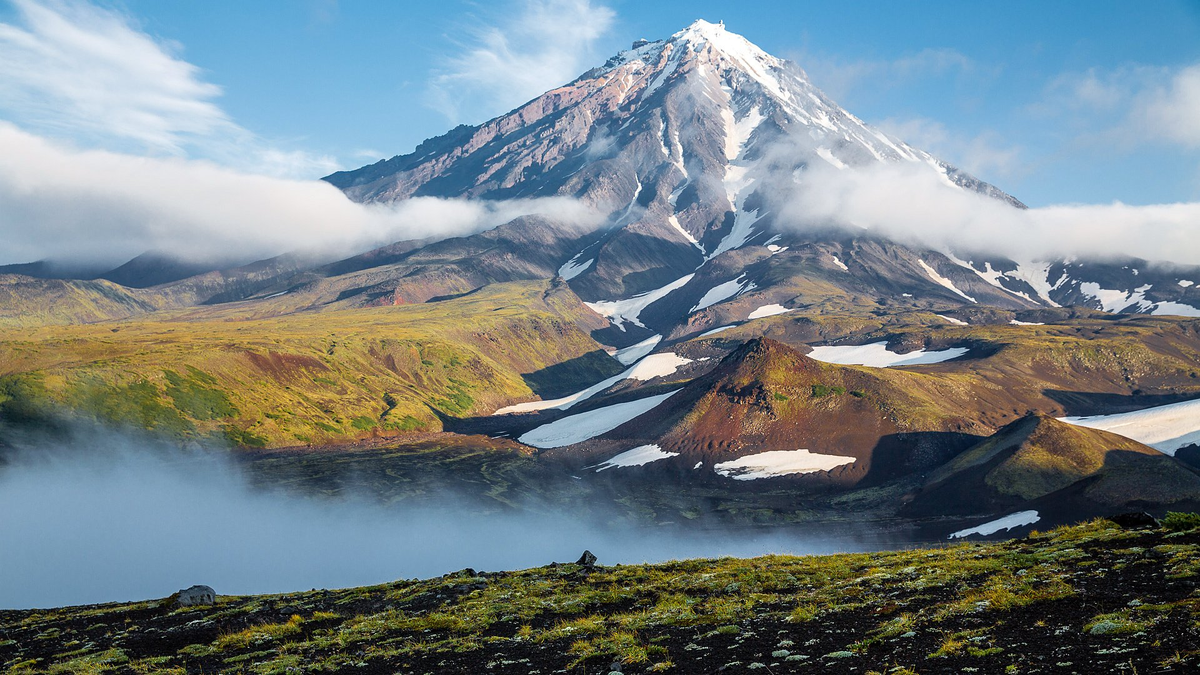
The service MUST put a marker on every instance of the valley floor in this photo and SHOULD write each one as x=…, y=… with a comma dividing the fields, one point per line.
x=1084, y=599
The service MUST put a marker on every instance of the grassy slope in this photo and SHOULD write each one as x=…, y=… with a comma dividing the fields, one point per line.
x=308, y=377
x=1090, y=598
x=27, y=302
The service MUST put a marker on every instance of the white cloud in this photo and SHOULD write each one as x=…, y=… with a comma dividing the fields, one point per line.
x=1128, y=107
x=102, y=206
x=75, y=70
x=546, y=43
x=1172, y=111
x=909, y=203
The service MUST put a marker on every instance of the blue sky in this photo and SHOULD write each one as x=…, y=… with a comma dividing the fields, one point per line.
x=1056, y=102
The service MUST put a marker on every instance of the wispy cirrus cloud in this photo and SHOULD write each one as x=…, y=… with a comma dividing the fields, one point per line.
x=1130, y=106
x=72, y=69
x=503, y=63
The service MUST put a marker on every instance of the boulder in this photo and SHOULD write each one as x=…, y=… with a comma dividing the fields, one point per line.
x=587, y=559
x=195, y=596
x=1134, y=520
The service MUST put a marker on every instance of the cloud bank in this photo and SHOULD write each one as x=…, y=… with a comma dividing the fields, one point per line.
x=910, y=203
x=117, y=518
x=542, y=45
x=100, y=206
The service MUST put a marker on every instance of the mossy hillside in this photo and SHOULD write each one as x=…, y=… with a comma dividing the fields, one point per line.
x=27, y=302
x=304, y=378
x=1093, y=595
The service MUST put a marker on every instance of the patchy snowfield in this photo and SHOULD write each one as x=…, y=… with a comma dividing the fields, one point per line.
x=1018, y=519
x=779, y=463
x=722, y=292
x=942, y=281
x=655, y=365
x=1116, y=301
x=1165, y=428
x=583, y=426
x=639, y=456
x=634, y=352
x=767, y=310
x=876, y=355
x=1175, y=309
x=620, y=311
x=572, y=269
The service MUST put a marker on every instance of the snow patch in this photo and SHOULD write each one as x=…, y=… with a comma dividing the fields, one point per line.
x=1175, y=309
x=722, y=292
x=634, y=352
x=1117, y=301
x=586, y=425
x=1165, y=428
x=1037, y=275
x=717, y=330
x=943, y=281
x=837, y=261
x=572, y=269
x=686, y=235
x=767, y=310
x=738, y=133
x=956, y=322
x=639, y=456
x=1015, y=322
x=876, y=355
x=656, y=365
x=1185, y=283
x=827, y=155
x=620, y=311
x=779, y=463
x=1019, y=519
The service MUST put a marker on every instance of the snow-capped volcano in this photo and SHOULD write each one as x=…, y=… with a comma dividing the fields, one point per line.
x=690, y=145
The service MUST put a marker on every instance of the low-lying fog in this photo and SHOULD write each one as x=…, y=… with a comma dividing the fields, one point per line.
x=107, y=518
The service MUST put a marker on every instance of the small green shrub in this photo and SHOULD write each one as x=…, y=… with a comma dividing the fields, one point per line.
x=822, y=390
x=1176, y=521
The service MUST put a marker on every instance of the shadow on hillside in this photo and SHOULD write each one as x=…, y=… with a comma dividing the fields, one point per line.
x=898, y=455
x=572, y=375
x=1096, y=403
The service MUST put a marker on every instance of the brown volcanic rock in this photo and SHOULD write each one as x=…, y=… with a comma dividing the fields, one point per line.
x=767, y=396
x=1039, y=460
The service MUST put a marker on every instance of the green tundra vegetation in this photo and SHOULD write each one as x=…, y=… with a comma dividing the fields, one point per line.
x=256, y=378
x=304, y=378
x=1087, y=598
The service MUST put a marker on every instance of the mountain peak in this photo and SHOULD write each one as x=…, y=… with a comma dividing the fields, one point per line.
x=700, y=33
